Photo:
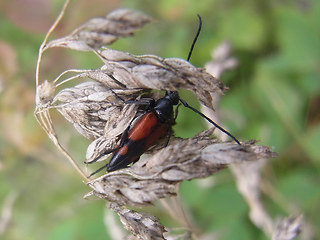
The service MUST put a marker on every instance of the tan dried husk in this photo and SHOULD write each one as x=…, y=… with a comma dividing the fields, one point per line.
x=288, y=228
x=98, y=32
x=95, y=111
x=90, y=36
x=250, y=182
x=153, y=72
x=157, y=176
x=99, y=115
x=141, y=225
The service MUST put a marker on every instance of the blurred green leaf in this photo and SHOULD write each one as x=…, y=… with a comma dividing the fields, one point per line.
x=298, y=41
x=311, y=139
x=244, y=28
x=302, y=181
x=66, y=230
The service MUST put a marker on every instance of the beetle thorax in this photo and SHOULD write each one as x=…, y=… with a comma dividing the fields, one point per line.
x=164, y=109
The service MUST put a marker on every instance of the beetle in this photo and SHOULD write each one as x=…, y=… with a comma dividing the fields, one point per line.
x=149, y=128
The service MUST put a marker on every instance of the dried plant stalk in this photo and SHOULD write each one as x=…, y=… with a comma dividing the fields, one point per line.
x=288, y=228
x=91, y=107
x=141, y=225
x=248, y=182
x=153, y=72
x=97, y=109
x=158, y=175
x=6, y=211
x=248, y=176
x=91, y=35
x=98, y=32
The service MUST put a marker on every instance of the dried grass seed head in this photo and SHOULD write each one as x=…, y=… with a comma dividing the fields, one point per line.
x=98, y=32
x=88, y=106
x=98, y=114
x=94, y=109
x=157, y=176
x=153, y=72
x=141, y=225
x=95, y=112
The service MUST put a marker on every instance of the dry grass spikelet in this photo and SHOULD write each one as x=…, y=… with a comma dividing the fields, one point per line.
x=95, y=107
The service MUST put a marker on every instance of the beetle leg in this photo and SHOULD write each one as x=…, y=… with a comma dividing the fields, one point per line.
x=95, y=172
x=116, y=81
x=168, y=137
x=142, y=101
x=122, y=140
x=170, y=131
x=102, y=154
x=121, y=166
x=176, y=112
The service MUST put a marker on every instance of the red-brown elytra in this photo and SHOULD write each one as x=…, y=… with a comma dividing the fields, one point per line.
x=149, y=128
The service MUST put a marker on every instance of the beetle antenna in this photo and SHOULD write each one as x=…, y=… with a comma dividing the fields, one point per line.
x=195, y=38
x=195, y=110
x=208, y=119
x=103, y=167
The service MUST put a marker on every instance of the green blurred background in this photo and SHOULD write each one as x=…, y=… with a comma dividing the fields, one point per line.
x=274, y=97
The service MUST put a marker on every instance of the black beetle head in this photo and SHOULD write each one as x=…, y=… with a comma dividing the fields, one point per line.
x=173, y=96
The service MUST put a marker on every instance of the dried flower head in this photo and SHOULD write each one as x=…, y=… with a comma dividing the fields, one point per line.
x=98, y=32
x=97, y=107
x=157, y=176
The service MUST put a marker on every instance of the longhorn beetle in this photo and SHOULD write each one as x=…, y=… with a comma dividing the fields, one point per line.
x=150, y=127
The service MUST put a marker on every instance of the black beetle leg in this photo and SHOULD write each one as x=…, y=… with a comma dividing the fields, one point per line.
x=168, y=137
x=123, y=138
x=143, y=101
x=95, y=172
